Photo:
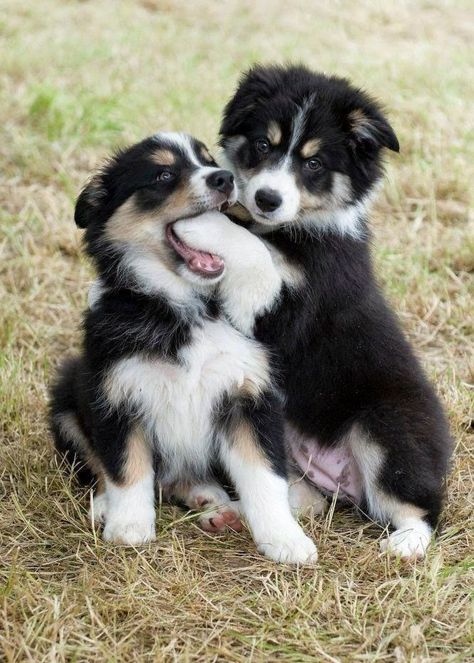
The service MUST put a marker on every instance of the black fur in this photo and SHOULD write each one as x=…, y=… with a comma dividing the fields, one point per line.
x=130, y=321
x=345, y=359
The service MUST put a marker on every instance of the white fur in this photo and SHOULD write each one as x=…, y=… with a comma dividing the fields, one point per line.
x=264, y=504
x=201, y=188
x=281, y=180
x=182, y=141
x=130, y=515
x=154, y=277
x=251, y=282
x=412, y=534
x=410, y=540
x=305, y=498
x=98, y=509
x=177, y=399
x=212, y=500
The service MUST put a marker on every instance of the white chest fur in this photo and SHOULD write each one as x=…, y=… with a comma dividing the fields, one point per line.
x=177, y=400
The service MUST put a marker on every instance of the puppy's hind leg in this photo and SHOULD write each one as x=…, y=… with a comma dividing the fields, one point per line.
x=217, y=511
x=398, y=491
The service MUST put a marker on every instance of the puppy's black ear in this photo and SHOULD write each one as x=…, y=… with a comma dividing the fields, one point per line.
x=256, y=86
x=368, y=126
x=89, y=201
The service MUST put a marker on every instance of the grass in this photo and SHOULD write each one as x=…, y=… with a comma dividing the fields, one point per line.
x=78, y=78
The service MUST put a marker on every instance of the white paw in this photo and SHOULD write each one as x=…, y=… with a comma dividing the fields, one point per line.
x=98, y=509
x=219, y=512
x=289, y=548
x=305, y=499
x=408, y=542
x=207, y=232
x=129, y=533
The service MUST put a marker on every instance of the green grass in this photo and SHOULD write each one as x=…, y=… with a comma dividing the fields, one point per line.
x=79, y=78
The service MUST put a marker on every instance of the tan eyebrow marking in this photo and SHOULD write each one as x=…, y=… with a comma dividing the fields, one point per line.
x=310, y=148
x=274, y=133
x=163, y=157
x=206, y=155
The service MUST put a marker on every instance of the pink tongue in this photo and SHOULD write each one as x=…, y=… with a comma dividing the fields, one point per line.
x=204, y=262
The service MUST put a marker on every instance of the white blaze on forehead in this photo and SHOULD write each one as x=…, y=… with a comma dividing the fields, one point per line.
x=280, y=178
x=182, y=141
x=299, y=121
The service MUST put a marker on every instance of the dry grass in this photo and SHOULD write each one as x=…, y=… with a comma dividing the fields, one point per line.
x=79, y=77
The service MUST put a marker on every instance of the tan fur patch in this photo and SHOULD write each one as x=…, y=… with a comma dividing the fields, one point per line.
x=245, y=440
x=310, y=148
x=163, y=157
x=139, y=458
x=360, y=123
x=250, y=388
x=71, y=430
x=274, y=133
x=206, y=155
x=313, y=201
x=129, y=226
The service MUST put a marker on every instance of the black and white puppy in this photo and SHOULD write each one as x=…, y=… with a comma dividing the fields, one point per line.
x=362, y=419
x=171, y=387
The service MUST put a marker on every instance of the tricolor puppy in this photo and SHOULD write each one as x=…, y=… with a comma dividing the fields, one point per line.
x=362, y=420
x=171, y=387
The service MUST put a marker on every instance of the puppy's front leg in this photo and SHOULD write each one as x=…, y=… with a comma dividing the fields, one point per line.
x=251, y=283
x=252, y=454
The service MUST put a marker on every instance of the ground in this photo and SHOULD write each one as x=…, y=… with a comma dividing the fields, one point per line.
x=77, y=79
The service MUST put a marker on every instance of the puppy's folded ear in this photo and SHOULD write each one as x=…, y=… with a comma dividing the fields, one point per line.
x=88, y=202
x=368, y=127
x=256, y=86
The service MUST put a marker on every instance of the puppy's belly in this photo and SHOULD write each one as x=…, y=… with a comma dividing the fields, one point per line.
x=332, y=470
x=177, y=401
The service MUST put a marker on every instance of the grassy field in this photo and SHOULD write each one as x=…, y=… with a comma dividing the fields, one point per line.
x=78, y=78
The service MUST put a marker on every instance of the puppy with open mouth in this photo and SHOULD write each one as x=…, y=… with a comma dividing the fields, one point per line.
x=171, y=387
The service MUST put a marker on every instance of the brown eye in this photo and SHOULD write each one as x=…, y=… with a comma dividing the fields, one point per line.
x=313, y=164
x=166, y=176
x=262, y=146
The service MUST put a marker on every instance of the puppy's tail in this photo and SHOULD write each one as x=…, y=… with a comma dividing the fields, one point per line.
x=70, y=439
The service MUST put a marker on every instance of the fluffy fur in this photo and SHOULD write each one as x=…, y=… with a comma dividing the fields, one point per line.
x=170, y=386
x=306, y=150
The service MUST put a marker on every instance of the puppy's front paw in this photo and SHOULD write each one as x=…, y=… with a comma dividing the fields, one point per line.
x=289, y=547
x=130, y=533
x=206, y=232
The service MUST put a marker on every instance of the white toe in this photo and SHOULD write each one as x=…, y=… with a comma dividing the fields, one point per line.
x=98, y=509
x=289, y=548
x=130, y=533
x=408, y=542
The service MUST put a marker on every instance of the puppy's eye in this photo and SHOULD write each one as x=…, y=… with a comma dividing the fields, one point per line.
x=262, y=146
x=165, y=176
x=313, y=164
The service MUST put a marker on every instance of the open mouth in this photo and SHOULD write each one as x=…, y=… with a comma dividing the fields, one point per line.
x=199, y=262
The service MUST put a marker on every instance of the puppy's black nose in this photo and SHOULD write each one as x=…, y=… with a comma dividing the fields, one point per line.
x=268, y=200
x=221, y=180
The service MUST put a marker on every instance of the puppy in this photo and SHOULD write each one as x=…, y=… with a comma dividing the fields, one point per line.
x=171, y=387
x=362, y=420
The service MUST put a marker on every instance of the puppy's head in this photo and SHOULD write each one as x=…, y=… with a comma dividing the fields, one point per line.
x=305, y=148
x=129, y=207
